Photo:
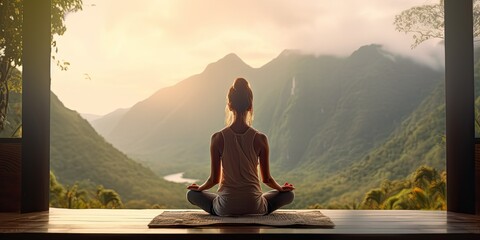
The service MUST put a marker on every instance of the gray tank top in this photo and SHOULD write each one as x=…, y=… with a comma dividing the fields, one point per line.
x=239, y=192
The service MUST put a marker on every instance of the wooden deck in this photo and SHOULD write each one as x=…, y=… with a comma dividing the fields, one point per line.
x=132, y=224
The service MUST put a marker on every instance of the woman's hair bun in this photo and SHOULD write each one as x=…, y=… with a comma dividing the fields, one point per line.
x=241, y=84
x=240, y=96
x=239, y=100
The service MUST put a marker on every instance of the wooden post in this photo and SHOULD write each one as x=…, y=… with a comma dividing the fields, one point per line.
x=459, y=88
x=36, y=106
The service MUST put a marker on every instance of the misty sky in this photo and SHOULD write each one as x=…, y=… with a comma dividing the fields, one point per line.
x=121, y=52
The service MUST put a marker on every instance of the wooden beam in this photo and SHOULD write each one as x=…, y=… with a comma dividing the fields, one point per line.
x=36, y=106
x=459, y=89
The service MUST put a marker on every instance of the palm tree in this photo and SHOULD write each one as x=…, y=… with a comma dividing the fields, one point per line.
x=433, y=186
x=424, y=175
x=401, y=200
x=374, y=199
x=108, y=198
x=75, y=197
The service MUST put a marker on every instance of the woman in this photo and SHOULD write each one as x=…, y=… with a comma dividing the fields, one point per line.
x=236, y=151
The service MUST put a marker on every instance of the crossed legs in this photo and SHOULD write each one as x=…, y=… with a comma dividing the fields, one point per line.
x=278, y=199
x=202, y=199
x=275, y=199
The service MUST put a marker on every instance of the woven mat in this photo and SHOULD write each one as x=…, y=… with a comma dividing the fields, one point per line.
x=311, y=219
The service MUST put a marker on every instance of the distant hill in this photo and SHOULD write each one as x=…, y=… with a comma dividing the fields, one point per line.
x=322, y=114
x=105, y=124
x=90, y=117
x=78, y=153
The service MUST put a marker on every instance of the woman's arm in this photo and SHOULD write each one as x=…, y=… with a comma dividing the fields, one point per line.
x=216, y=148
x=262, y=149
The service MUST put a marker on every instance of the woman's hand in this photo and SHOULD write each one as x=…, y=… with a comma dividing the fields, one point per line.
x=287, y=187
x=193, y=187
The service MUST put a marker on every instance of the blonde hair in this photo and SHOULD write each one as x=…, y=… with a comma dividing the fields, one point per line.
x=239, y=101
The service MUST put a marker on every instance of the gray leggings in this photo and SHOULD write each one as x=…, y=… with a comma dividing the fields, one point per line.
x=275, y=199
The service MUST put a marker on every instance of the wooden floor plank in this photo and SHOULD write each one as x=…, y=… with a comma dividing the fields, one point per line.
x=132, y=224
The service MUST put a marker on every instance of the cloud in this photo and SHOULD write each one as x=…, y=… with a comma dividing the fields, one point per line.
x=321, y=27
x=149, y=28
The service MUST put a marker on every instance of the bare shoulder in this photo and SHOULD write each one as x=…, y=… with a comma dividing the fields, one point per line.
x=260, y=140
x=217, y=142
x=217, y=138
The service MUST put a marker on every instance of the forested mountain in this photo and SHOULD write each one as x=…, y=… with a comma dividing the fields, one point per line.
x=418, y=141
x=327, y=118
x=79, y=154
x=342, y=109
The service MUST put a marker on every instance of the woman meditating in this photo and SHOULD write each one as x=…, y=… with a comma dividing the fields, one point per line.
x=236, y=151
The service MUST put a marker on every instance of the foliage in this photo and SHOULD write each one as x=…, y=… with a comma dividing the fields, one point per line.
x=11, y=21
x=13, y=123
x=427, y=22
x=425, y=189
x=108, y=198
x=57, y=191
x=77, y=197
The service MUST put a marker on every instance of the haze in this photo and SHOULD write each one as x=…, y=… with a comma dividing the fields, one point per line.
x=121, y=52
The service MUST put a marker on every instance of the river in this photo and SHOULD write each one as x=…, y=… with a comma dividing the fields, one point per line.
x=178, y=178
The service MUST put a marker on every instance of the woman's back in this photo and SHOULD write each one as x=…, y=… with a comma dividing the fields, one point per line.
x=239, y=192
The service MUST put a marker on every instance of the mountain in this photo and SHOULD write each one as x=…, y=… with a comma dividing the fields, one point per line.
x=350, y=106
x=105, y=124
x=322, y=114
x=78, y=153
x=90, y=117
x=170, y=130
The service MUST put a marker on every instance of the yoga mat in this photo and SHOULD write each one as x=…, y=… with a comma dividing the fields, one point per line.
x=286, y=218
